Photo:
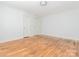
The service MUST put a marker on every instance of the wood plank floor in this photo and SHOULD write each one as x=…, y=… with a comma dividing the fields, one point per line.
x=40, y=46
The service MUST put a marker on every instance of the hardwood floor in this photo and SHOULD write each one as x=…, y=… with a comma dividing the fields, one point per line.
x=40, y=45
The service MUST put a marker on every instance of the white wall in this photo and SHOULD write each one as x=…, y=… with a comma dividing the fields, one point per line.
x=64, y=24
x=12, y=23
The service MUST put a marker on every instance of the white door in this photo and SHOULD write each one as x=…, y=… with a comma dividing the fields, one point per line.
x=26, y=27
x=31, y=26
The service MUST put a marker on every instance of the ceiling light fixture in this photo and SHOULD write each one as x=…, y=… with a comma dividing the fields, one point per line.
x=43, y=3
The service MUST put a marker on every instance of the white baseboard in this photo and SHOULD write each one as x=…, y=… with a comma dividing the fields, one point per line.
x=2, y=41
x=64, y=37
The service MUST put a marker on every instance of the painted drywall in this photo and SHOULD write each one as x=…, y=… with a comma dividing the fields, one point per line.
x=64, y=24
x=16, y=23
x=11, y=25
x=1, y=26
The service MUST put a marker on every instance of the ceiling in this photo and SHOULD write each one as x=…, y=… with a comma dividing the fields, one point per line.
x=34, y=7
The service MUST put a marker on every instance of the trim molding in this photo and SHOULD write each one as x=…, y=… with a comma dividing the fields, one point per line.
x=11, y=39
x=64, y=37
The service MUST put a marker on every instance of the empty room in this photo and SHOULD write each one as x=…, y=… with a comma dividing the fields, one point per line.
x=39, y=28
